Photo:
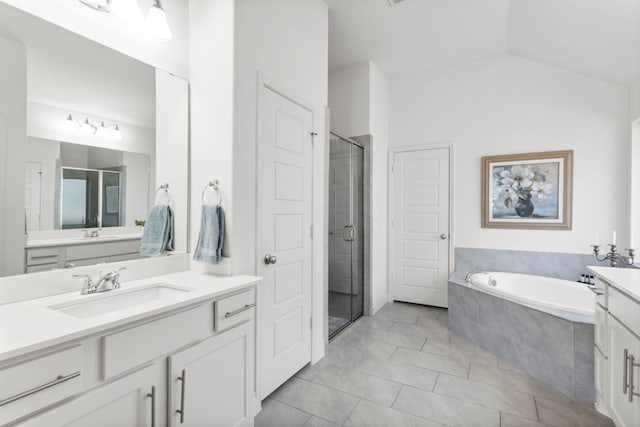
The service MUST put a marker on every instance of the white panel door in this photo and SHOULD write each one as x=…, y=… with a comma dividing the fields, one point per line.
x=420, y=226
x=32, y=177
x=284, y=228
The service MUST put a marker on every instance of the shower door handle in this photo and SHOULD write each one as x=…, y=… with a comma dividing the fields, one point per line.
x=349, y=233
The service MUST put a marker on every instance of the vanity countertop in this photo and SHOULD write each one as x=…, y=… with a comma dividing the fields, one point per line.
x=626, y=280
x=70, y=241
x=31, y=325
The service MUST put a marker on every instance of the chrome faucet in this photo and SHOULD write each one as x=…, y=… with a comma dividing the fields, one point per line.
x=110, y=280
x=91, y=234
x=467, y=277
x=88, y=287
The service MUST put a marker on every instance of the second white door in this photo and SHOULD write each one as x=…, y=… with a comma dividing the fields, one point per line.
x=284, y=226
x=420, y=226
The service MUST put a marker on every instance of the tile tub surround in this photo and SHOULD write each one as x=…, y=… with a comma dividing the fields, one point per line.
x=556, y=351
x=404, y=367
x=550, y=264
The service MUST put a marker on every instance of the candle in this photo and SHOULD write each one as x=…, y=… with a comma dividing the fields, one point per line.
x=596, y=239
x=614, y=238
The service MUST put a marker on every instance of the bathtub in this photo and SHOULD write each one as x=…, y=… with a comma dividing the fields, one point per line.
x=541, y=325
x=555, y=296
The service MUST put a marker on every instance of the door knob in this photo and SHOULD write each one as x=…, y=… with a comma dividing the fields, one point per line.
x=443, y=236
x=270, y=259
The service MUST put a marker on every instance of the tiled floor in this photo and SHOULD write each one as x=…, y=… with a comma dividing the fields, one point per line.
x=403, y=367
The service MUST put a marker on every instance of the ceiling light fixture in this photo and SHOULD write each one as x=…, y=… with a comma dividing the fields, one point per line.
x=102, y=129
x=155, y=23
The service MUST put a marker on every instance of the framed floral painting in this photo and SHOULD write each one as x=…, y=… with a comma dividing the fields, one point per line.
x=531, y=191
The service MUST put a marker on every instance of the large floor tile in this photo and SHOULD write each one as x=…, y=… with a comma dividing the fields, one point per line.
x=444, y=409
x=388, y=337
x=367, y=322
x=360, y=384
x=487, y=395
x=514, y=380
x=459, y=350
x=434, y=362
x=559, y=414
x=372, y=415
x=427, y=328
x=510, y=420
x=316, y=399
x=350, y=353
x=399, y=372
x=319, y=422
x=276, y=414
x=412, y=309
x=395, y=316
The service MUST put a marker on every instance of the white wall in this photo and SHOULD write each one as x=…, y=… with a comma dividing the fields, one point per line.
x=211, y=78
x=359, y=103
x=286, y=42
x=13, y=117
x=139, y=182
x=125, y=37
x=46, y=153
x=48, y=122
x=172, y=150
x=349, y=99
x=513, y=105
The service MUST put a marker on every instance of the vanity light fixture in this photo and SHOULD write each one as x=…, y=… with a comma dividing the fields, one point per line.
x=155, y=24
x=102, y=129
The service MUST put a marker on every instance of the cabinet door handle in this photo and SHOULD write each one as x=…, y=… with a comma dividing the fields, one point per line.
x=152, y=395
x=595, y=290
x=183, y=380
x=625, y=370
x=238, y=311
x=59, y=380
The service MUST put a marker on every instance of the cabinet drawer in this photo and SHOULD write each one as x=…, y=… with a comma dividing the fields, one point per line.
x=40, y=382
x=234, y=310
x=132, y=347
x=41, y=268
x=104, y=249
x=42, y=256
x=625, y=309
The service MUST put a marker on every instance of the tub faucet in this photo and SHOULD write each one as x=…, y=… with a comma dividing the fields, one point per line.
x=467, y=277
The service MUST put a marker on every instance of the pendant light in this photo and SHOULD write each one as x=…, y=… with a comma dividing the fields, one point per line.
x=156, y=24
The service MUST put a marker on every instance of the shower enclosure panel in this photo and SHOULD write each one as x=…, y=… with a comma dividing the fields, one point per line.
x=346, y=232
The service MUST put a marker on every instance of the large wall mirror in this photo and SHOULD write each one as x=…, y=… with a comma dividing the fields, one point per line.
x=87, y=136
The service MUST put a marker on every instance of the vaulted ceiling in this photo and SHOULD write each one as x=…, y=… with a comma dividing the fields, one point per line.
x=599, y=38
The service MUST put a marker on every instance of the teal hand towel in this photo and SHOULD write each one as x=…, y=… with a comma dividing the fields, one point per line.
x=211, y=237
x=157, y=236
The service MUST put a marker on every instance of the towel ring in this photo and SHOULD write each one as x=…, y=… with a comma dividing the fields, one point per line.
x=165, y=188
x=214, y=185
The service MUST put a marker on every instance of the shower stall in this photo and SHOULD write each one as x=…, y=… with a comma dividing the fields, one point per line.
x=346, y=232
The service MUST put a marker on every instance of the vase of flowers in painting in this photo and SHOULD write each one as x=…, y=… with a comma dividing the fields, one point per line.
x=520, y=184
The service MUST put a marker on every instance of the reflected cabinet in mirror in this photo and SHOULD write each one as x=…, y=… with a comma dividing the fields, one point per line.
x=87, y=134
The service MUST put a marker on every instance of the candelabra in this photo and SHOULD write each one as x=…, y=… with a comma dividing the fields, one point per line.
x=614, y=256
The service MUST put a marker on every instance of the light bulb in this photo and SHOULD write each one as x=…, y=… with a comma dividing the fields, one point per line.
x=116, y=134
x=69, y=123
x=156, y=24
x=129, y=10
x=102, y=130
x=86, y=126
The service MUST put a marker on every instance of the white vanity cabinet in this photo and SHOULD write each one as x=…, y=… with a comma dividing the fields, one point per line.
x=623, y=378
x=617, y=349
x=130, y=401
x=183, y=367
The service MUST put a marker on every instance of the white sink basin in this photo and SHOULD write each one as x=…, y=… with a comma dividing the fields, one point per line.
x=107, y=302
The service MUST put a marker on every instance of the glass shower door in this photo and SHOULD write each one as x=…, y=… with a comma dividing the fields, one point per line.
x=346, y=233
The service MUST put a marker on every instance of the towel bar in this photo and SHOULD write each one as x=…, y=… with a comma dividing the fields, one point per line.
x=215, y=185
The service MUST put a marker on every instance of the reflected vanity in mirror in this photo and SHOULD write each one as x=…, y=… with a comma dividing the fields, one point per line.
x=81, y=167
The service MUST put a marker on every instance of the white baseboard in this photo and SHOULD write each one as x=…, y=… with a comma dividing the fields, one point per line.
x=377, y=305
x=317, y=353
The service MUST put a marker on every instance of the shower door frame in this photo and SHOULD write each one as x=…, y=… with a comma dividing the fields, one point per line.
x=358, y=235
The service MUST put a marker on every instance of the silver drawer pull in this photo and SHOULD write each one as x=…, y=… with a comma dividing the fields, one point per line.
x=59, y=380
x=632, y=386
x=183, y=380
x=595, y=290
x=625, y=370
x=152, y=395
x=240, y=310
x=43, y=256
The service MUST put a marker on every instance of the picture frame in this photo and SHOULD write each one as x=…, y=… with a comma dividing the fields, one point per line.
x=528, y=191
